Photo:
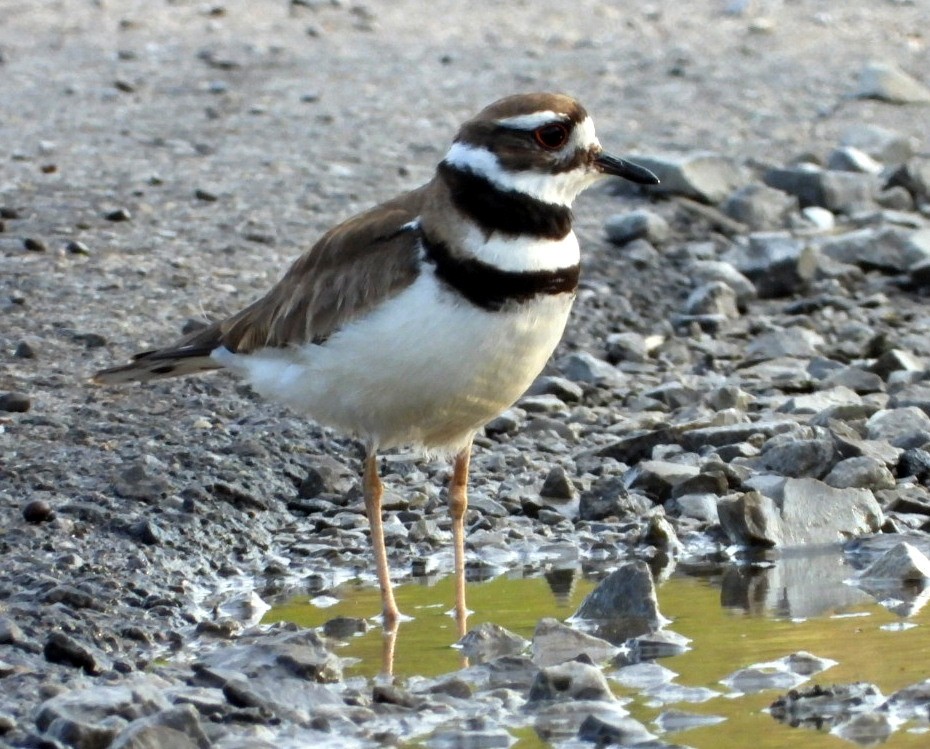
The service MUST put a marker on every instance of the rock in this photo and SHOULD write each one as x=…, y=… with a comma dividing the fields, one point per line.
x=798, y=458
x=851, y=159
x=38, y=511
x=557, y=485
x=776, y=263
x=916, y=396
x=913, y=462
x=657, y=478
x=817, y=706
x=839, y=192
x=639, y=224
x=620, y=731
x=901, y=427
x=710, y=271
x=799, y=343
x=860, y=473
x=62, y=648
x=609, y=497
x=913, y=176
x=896, y=360
x=821, y=401
x=628, y=346
x=760, y=207
x=807, y=512
x=882, y=144
x=694, y=440
x=15, y=402
x=818, y=219
x=623, y=604
x=587, y=368
x=887, y=82
x=175, y=728
x=902, y=563
x=702, y=507
x=554, y=643
x=889, y=249
x=570, y=681
x=488, y=641
x=701, y=175
x=714, y=298
x=865, y=729
x=565, y=390
x=10, y=632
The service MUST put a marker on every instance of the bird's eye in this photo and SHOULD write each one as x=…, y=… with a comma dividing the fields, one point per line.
x=552, y=136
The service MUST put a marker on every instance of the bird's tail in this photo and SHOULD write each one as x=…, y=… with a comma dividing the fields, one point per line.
x=190, y=355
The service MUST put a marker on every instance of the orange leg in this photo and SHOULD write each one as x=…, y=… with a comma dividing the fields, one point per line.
x=373, y=490
x=458, y=503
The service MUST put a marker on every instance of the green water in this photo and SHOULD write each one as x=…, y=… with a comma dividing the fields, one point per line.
x=724, y=639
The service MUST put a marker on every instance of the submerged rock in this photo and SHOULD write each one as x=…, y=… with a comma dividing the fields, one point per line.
x=623, y=605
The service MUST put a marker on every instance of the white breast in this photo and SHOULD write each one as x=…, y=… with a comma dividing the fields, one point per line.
x=425, y=369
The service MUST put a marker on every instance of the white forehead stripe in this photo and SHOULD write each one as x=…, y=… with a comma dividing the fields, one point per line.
x=532, y=121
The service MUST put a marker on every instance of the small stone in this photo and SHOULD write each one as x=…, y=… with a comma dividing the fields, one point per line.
x=564, y=389
x=851, y=159
x=798, y=458
x=38, y=511
x=557, y=485
x=571, y=681
x=15, y=402
x=205, y=195
x=710, y=271
x=584, y=367
x=488, y=641
x=901, y=427
x=118, y=214
x=76, y=247
x=123, y=85
x=62, y=648
x=886, y=82
x=638, y=224
x=776, y=263
x=714, y=298
x=628, y=346
x=890, y=249
x=34, y=245
x=604, y=731
x=343, y=627
x=609, y=497
x=760, y=207
x=555, y=642
x=177, y=727
x=839, y=192
x=702, y=175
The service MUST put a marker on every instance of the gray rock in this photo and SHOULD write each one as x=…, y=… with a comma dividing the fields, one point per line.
x=913, y=176
x=800, y=343
x=916, y=395
x=820, y=401
x=714, y=298
x=702, y=507
x=565, y=390
x=657, y=478
x=902, y=563
x=175, y=728
x=864, y=472
x=901, y=427
x=851, y=159
x=881, y=143
x=628, y=346
x=798, y=458
x=850, y=443
x=807, y=512
x=488, y=641
x=895, y=199
x=889, y=249
x=542, y=404
x=65, y=649
x=839, y=192
x=623, y=605
x=760, y=207
x=701, y=175
x=775, y=262
x=15, y=402
x=570, y=681
x=694, y=440
x=661, y=644
x=896, y=360
x=710, y=271
x=639, y=224
x=555, y=642
x=587, y=368
x=729, y=396
x=557, y=485
x=887, y=82
x=610, y=497
x=865, y=729
x=851, y=378
x=619, y=731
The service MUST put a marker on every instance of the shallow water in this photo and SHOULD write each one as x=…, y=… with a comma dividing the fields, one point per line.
x=735, y=617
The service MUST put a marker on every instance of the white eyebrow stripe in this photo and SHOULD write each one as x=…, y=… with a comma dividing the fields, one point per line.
x=532, y=121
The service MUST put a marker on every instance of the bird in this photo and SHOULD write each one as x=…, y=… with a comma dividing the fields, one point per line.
x=416, y=322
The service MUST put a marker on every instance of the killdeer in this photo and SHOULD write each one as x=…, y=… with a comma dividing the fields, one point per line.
x=418, y=321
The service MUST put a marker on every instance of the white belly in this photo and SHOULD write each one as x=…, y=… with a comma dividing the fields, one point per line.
x=424, y=369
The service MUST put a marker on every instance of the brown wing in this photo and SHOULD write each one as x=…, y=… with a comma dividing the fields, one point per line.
x=353, y=268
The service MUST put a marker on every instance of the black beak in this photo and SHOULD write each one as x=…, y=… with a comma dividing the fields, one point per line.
x=626, y=169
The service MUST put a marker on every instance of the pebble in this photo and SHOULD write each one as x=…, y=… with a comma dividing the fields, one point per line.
x=760, y=207
x=35, y=245
x=639, y=224
x=76, y=247
x=623, y=605
x=38, y=511
x=887, y=82
x=702, y=175
x=117, y=215
x=15, y=402
x=881, y=143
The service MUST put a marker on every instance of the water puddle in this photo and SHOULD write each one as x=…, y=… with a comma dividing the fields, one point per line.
x=735, y=617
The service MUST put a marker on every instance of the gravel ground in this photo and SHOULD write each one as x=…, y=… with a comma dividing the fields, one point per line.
x=739, y=369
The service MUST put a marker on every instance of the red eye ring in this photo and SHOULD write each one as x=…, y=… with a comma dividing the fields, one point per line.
x=552, y=136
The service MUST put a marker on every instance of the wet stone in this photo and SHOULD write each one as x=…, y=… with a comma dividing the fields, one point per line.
x=554, y=643
x=623, y=605
x=64, y=649
x=343, y=627
x=488, y=641
x=38, y=511
x=902, y=563
x=176, y=727
x=817, y=706
x=571, y=681
x=620, y=731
